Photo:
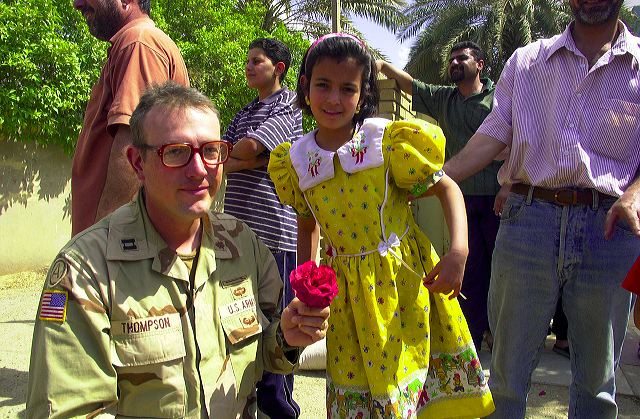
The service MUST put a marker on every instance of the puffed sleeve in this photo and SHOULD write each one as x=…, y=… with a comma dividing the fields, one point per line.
x=416, y=154
x=285, y=179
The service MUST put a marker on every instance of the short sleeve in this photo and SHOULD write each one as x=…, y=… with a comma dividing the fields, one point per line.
x=416, y=154
x=133, y=69
x=429, y=99
x=499, y=124
x=284, y=123
x=285, y=180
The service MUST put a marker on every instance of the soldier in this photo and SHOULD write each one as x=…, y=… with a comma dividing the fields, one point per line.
x=163, y=308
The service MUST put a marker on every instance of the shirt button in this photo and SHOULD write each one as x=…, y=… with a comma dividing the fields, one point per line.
x=572, y=125
x=579, y=95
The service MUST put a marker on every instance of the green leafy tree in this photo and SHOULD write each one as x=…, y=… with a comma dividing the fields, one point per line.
x=313, y=17
x=49, y=61
x=214, y=38
x=498, y=26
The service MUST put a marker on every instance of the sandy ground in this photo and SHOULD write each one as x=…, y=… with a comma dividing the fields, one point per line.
x=18, y=304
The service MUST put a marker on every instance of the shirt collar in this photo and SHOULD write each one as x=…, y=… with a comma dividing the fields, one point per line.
x=625, y=43
x=272, y=97
x=487, y=84
x=564, y=40
x=142, y=20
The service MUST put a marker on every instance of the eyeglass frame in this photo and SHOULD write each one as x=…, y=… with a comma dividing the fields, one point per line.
x=160, y=152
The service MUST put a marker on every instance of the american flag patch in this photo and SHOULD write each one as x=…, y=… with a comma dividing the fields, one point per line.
x=53, y=305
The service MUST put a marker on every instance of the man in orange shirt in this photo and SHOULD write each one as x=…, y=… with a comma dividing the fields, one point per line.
x=140, y=55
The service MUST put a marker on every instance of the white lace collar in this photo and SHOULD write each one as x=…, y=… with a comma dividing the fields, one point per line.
x=314, y=165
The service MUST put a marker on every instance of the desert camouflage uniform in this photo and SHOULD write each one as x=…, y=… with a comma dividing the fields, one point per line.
x=137, y=341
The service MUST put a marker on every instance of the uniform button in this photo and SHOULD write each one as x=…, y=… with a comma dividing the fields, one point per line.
x=579, y=95
x=571, y=125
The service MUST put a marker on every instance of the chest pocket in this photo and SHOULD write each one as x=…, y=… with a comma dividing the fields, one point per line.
x=148, y=355
x=614, y=129
x=239, y=313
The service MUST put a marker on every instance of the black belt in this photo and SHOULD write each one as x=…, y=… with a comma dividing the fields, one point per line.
x=562, y=196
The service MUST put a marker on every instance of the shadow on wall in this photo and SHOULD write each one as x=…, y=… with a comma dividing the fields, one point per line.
x=35, y=205
x=28, y=170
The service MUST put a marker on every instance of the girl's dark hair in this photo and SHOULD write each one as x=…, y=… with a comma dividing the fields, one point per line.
x=340, y=48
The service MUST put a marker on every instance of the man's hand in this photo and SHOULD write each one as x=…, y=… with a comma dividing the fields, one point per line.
x=449, y=272
x=501, y=198
x=404, y=79
x=302, y=325
x=627, y=209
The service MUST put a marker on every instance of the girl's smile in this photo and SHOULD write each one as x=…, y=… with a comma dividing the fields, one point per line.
x=334, y=93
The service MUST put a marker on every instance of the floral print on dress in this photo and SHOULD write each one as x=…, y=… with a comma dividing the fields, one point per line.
x=395, y=350
x=314, y=162
x=358, y=146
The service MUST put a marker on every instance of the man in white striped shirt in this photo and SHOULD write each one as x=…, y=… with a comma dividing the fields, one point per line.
x=569, y=108
x=270, y=119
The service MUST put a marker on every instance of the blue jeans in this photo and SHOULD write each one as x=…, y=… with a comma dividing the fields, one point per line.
x=275, y=391
x=544, y=251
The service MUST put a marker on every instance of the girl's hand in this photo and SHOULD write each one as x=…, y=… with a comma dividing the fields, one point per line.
x=446, y=277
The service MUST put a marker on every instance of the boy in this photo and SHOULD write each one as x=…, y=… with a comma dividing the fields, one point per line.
x=258, y=128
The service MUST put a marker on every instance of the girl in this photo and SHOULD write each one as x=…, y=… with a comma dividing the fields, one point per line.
x=396, y=349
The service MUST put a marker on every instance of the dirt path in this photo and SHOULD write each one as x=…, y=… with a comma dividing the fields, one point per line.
x=19, y=295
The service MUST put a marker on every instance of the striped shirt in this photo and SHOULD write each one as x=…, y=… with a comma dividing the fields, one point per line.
x=251, y=195
x=568, y=124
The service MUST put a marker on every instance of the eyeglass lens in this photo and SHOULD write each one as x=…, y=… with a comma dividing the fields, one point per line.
x=175, y=155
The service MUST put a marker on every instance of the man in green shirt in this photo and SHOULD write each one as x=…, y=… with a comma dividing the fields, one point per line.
x=459, y=111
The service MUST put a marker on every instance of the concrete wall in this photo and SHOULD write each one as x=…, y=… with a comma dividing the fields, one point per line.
x=35, y=205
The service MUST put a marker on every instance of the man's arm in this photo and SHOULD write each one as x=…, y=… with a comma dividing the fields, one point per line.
x=404, y=79
x=626, y=208
x=246, y=154
x=70, y=371
x=475, y=156
x=121, y=183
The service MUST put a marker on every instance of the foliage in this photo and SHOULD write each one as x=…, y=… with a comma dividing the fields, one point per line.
x=313, y=17
x=498, y=26
x=49, y=61
x=214, y=38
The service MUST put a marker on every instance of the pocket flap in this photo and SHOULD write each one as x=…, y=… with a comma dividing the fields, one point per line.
x=621, y=106
x=148, y=340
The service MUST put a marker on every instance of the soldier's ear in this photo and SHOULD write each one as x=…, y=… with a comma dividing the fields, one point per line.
x=136, y=160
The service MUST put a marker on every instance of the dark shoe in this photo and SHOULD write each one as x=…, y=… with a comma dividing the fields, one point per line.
x=562, y=351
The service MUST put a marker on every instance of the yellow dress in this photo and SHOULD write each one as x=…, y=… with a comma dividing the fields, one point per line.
x=394, y=350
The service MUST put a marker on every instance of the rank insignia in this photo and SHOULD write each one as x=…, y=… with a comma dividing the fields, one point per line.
x=128, y=245
x=53, y=305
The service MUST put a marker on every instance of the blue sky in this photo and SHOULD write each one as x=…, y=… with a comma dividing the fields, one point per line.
x=398, y=53
x=385, y=41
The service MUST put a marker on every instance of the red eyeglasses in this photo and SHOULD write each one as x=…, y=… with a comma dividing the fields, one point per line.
x=180, y=154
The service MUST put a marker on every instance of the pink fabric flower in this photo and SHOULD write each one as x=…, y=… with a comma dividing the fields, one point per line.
x=314, y=285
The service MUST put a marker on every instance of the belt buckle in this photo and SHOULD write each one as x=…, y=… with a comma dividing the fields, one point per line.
x=558, y=197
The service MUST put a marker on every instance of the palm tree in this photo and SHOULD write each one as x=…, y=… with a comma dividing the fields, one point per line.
x=313, y=17
x=498, y=26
